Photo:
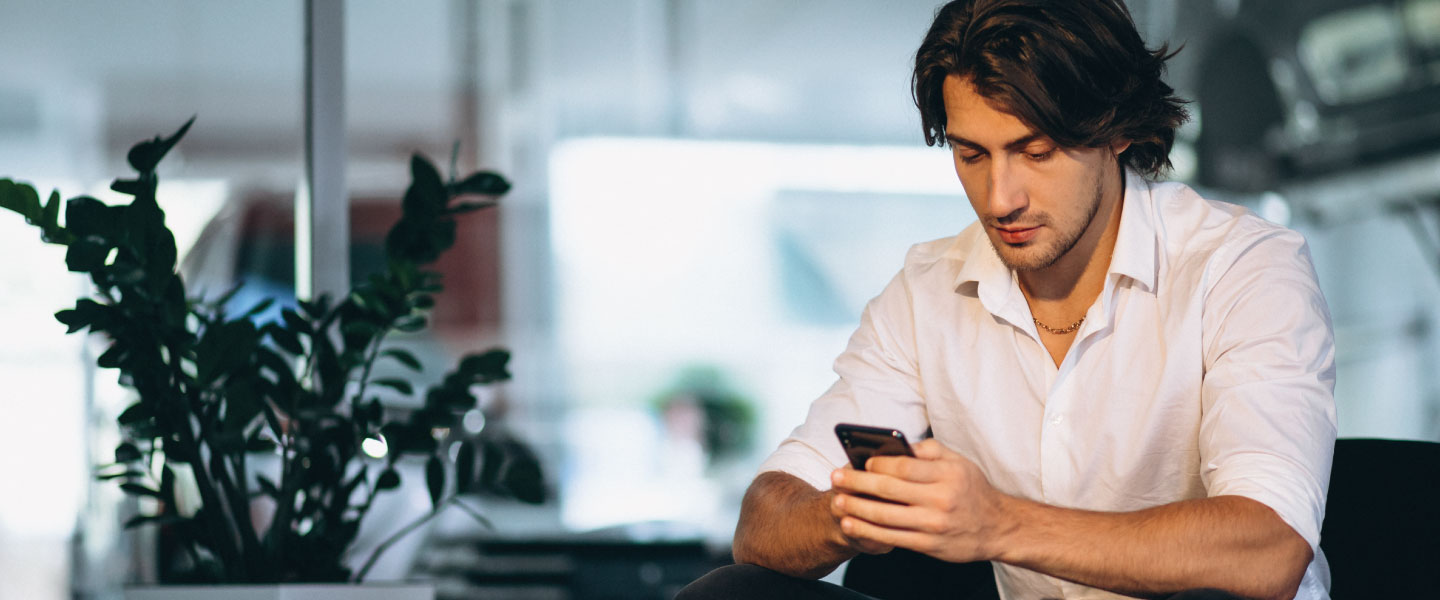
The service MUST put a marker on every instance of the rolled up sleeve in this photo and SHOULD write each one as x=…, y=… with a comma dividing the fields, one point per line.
x=1268, y=426
x=877, y=386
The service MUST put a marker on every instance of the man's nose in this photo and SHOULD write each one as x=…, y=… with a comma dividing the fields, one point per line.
x=1007, y=191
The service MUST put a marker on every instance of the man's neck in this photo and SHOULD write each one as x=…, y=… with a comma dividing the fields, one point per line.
x=1071, y=284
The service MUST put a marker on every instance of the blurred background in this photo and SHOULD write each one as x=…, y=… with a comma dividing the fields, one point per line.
x=706, y=193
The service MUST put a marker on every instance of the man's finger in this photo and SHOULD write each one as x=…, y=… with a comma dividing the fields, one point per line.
x=880, y=485
x=860, y=529
x=885, y=514
x=930, y=449
x=904, y=468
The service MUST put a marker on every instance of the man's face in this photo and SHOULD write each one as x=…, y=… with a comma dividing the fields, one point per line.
x=1035, y=199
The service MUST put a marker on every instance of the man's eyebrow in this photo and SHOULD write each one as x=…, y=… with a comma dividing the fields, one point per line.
x=1013, y=145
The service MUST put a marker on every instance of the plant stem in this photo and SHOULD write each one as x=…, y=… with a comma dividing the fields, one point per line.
x=366, y=367
x=390, y=541
x=474, y=513
x=171, y=385
x=236, y=502
x=285, y=503
x=228, y=546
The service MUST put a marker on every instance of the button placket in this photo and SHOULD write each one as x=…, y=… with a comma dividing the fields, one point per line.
x=1054, y=445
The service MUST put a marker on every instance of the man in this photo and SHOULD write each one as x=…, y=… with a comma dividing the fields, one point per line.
x=1129, y=387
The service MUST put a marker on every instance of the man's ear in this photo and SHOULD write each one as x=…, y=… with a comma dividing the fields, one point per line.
x=1119, y=145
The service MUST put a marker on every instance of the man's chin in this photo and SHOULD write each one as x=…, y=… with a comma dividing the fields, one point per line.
x=1023, y=257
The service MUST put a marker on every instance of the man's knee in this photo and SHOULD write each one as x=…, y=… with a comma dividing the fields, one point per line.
x=758, y=583
x=733, y=581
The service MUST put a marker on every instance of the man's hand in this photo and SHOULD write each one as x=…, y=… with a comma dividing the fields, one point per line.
x=858, y=544
x=938, y=503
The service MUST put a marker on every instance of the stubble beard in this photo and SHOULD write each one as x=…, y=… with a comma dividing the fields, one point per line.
x=1060, y=247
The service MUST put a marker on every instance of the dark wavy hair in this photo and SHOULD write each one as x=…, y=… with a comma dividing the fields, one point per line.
x=1075, y=70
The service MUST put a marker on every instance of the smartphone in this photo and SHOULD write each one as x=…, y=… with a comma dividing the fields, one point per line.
x=862, y=442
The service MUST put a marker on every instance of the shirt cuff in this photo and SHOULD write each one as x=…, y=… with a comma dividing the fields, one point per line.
x=802, y=461
x=1272, y=481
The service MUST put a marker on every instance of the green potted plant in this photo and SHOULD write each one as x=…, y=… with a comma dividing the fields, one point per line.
x=218, y=395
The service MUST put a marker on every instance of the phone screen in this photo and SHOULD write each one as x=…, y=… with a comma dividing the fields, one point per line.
x=862, y=442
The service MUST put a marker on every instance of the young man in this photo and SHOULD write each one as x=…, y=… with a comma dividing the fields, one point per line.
x=1129, y=387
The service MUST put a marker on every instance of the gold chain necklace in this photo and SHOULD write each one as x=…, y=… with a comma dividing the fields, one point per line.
x=1059, y=330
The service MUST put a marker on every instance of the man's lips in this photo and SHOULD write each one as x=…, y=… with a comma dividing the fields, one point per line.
x=1017, y=235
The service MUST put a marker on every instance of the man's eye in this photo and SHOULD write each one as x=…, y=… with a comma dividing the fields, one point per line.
x=1039, y=156
x=970, y=159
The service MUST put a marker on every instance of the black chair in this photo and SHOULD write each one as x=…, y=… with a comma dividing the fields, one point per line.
x=1381, y=534
x=1382, y=520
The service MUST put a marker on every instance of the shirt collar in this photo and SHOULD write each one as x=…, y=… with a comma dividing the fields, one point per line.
x=1134, y=255
x=983, y=275
x=1136, y=242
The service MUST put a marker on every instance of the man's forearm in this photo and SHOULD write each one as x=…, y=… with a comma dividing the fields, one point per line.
x=1226, y=542
x=786, y=525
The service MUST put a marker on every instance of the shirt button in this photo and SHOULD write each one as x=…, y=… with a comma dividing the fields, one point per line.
x=1057, y=419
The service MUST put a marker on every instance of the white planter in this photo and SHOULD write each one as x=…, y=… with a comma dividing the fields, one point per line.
x=302, y=591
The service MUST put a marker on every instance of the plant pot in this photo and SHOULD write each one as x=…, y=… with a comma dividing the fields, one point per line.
x=300, y=591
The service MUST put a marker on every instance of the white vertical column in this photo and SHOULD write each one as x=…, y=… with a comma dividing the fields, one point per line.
x=322, y=210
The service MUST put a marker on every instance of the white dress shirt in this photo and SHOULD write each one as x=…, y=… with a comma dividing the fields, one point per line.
x=1204, y=368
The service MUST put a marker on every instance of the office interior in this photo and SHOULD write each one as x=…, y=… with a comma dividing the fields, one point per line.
x=705, y=194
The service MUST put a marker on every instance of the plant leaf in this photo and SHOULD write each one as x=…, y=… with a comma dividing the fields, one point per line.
x=259, y=444
x=435, y=479
x=397, y=384
x=389, y=480
x=136, y=489
x=139, y=520
x=260, y=307
x=491, y=461
x=404, y=357
x=361, y=330
x=87, y=313
x=86, y=216
x=21, y=198
x=87, y=254
x=50, y=217
x=295, y=322
x=230, y=293
x=127, y=452
x=426, y=195
x=224, y=348
x=50, y=230
x=268, y=487
x=120, y=475
x=485, y=183
x=465, y=467
x=284, y=338
x=269, y=360
x=241, y=406
x=411, y=324
x=112, y=358
x=145, y=155
x=315, y=308
x=522, y=477
x=136, y=413
x=487, y=367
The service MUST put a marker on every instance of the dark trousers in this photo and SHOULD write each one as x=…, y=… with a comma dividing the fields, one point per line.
x=750, y=582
